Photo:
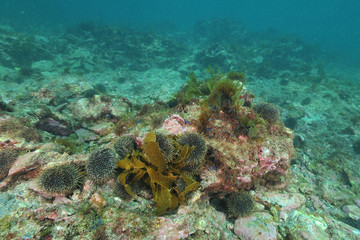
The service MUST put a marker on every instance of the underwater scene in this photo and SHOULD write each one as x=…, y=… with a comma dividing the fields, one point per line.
x=166, y=120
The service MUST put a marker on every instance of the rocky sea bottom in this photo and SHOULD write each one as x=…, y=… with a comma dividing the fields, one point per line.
x=65, y=104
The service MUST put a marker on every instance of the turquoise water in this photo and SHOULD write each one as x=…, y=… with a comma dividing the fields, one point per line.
x=333, y=25
x=179, y=119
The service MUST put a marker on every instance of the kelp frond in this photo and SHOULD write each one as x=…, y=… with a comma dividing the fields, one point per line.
x=150, y=166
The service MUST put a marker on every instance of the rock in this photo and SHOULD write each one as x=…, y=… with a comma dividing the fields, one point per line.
x=103, y=129
x=170, y=230
x=98, y=201
x=25, y=163
x=318, y=203
x=260, y=226
x=54, y=127
x=299, y=225
x=4, y=183
x=246, y=162
x=176, y=124
x=86, y=135
x=8, y=203
x=98, y=107
x=333, y=193
x=341, y=230
x=215, y=55
x=306, y=188
x=42, y=214
x=4, y=106
x=59, y=200
x=352, y=211
x=52, y=147
x=285, y=201
x=357, y=202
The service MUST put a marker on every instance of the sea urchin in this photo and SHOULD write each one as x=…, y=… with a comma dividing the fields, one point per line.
x=101, y=164
x=268, y=111
x=124, y=146
x=197, y=156
x=60, y=179
x=240, y=204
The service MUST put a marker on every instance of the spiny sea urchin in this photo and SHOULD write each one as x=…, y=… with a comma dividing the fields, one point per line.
x=120, y=191
x=101, y=164
x=166, y=146
x=7, y=158
x=240, y=204
x=60, y=179
x=197, y=156
x=268, y=111
x=124, y=146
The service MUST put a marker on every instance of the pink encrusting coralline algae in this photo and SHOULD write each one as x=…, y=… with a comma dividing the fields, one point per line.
x=176, y=124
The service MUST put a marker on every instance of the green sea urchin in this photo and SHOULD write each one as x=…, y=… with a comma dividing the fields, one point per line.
x=268, y=111
x=197, y=156
x=240, y=204
x=166, y=146
x=7, y=158
x=60, y=179
x=124, y=146
x=101, y=164
x=120, y=191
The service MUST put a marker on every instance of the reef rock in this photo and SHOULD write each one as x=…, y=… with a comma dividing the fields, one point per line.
x=176, y=124
x=240, y=166
x=236, y=161
x=52, y=126
x=286, y=202
x=302, y=226
x=259, y=226
x=352, y=211
x=97, y=107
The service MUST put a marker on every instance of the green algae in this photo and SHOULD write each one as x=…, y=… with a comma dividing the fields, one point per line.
x=250, y=127
x=224, y=94
x=219, y=90
x=5, y=223
x=240, y=76
x=197, y=89
x=46, y=231
x=191, y=90
x=70, y=144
